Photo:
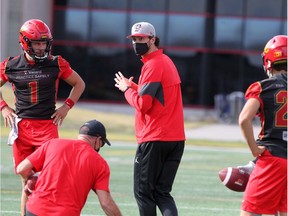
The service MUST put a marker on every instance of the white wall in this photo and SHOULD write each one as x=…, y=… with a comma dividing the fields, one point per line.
x=37, y=9
x=13, y=14
x=3, y=22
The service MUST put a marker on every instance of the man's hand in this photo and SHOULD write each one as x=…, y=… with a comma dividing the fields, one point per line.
x=8, y=116
x=122, y=83
x=60, y=114
x=258, y=150
x=248, y=168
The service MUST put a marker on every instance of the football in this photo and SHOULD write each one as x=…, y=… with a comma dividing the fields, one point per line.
x=30, y=185
x=234, y=178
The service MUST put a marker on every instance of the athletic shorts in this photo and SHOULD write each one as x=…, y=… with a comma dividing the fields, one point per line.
x=31, y=134
x=266, y=191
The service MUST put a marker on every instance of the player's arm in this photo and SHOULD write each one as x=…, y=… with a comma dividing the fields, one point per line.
x=245, y=122
x=7, y=112
x=78, y=86
x=107, y=203
x=25, y=169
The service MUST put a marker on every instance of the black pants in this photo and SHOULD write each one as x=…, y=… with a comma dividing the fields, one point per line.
x=155, y=167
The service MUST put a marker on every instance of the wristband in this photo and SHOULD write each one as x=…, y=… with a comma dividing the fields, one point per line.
x=69, y=102
x=3, y=104
x=126, y=89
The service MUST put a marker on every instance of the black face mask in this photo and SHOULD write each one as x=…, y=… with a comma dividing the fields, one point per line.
x=140, y=48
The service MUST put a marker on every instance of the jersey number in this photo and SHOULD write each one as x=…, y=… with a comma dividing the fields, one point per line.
x=34, y=91
x=281, y=113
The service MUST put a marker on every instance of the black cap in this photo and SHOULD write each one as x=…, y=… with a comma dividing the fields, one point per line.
x=94, y=128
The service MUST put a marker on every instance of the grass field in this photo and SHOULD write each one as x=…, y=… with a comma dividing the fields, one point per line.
x=197, y=189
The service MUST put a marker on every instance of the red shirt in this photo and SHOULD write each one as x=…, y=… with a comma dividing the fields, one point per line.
x=157, y=100
x=69, y=170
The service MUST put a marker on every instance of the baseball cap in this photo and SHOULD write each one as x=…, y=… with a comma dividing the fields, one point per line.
x=94, y=128
x=142, y=29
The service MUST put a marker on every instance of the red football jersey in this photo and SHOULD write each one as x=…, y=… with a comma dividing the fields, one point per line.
x=272, y=95
x=35, y=85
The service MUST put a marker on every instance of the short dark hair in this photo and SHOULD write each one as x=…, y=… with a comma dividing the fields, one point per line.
x=157, y=41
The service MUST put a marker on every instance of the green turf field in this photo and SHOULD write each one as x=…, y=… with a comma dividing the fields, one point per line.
x=197, y=189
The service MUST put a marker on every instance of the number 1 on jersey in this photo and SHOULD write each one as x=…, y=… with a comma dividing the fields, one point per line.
x=34, y=91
